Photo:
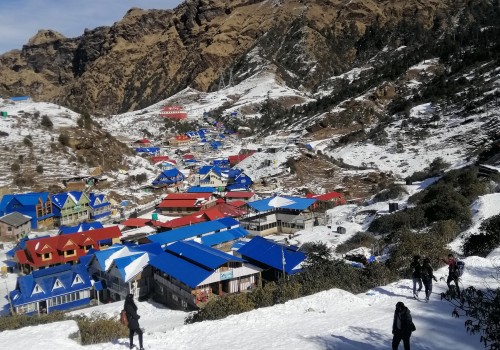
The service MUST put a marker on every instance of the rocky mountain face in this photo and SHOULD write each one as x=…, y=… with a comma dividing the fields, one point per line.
x=149, y=55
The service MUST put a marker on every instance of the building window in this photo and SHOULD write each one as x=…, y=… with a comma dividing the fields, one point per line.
x=47, y=256
x=70, y=252
x=88, y=247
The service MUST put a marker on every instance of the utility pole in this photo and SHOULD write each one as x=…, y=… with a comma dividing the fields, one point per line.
x=283, y=261
x=4, y=276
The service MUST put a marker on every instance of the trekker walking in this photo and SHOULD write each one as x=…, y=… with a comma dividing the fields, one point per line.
x=452, y=273
x=402, y=327
x=133, y=320
x=427, y=275
x=415, y=265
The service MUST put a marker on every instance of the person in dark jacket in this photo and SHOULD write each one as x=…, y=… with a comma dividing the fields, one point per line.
x=452, y=272
x=133, y=320
x=402, y=327
x=416, y=267
x=427, y=274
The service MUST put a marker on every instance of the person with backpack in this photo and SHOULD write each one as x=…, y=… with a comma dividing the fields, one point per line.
x=133, y=320
x=427, y=275
x=402, y=326
x=416, y=267
x=452, y=273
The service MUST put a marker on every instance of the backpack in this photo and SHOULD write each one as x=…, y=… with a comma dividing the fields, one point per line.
x=123, y=318
x=459, y=268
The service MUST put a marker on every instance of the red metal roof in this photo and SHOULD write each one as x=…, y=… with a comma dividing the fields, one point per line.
x=237, y=204
x=136, y=222
x=327, y=196
x=216, y=212
x=188, y=156
x=143, y=141
x=223, y=210
x=238, y=194
x=57, y=245
x=238, y=158
x=179, y=203
x=172, y=108
x=181, y=196
x=157, y=159
x=185, y=221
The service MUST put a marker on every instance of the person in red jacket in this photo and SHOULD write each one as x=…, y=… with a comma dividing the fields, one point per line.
x=452, y=272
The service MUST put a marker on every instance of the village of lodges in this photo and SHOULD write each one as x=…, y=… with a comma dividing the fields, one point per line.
x=199, y=242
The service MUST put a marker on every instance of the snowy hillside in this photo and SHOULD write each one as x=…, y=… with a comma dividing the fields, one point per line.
x=23, y=122
x=243, y=98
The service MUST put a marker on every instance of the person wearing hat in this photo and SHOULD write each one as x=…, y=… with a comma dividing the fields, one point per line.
x=402, y=327
x=133, y=320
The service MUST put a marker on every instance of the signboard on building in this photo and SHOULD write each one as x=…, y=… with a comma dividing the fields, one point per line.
x=226, y=275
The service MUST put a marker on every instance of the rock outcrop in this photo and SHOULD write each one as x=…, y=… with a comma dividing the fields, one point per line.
x=150, y=55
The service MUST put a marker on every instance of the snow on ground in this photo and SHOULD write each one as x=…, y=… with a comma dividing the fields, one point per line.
x=333, y=319
x=251, y=91
x=50, y=336
x=406, y=152
x=483, y=208
x=154, y=317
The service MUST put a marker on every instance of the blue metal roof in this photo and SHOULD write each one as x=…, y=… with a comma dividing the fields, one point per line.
x=84, y=226
x=191, y=231
x=224, y=236
x=147, y=149
x=19, y=98
x=169, y=176
x=205, y=169
x=94, y=197
x=229, y=222
x=294, y=203
x=191, y=262
x=103, y=255
x=59, y=199
x=199, y=189
x=271, y=254
x=200, y=254
x=26, y=199
x=185, y=271
x=46, y=280
x=123, y=262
